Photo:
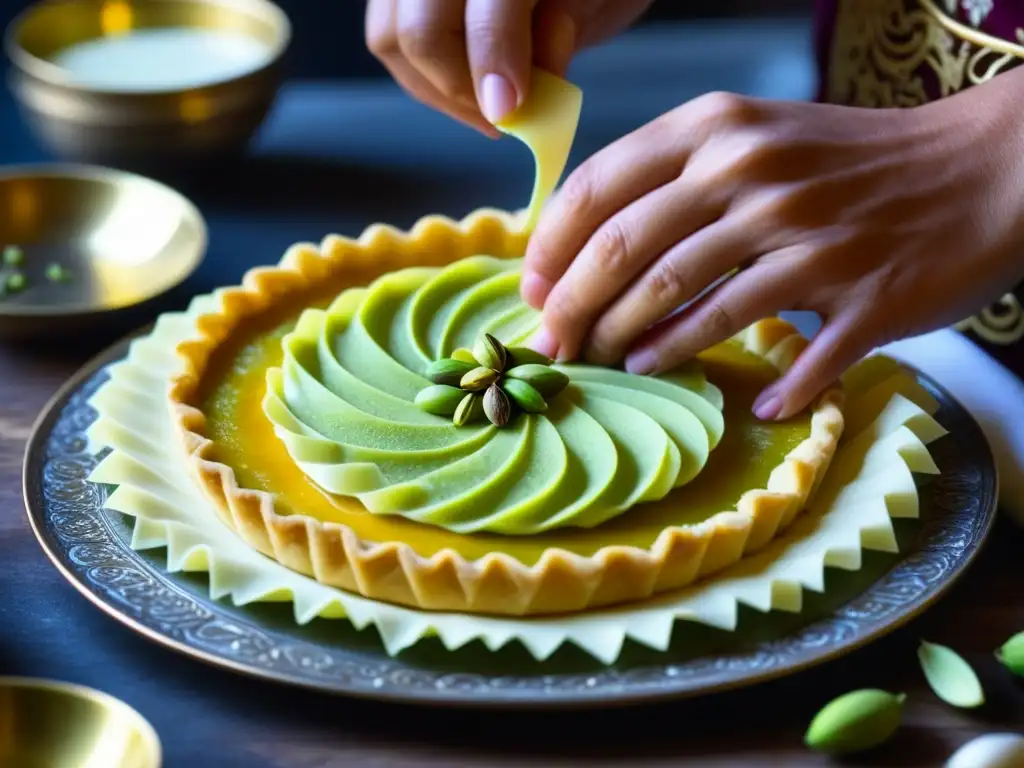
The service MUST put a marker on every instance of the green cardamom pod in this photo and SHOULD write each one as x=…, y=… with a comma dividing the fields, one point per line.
x=855, y=721
x=490, y=353
x=950, y=677
x=525, y=396
x=496, y=406
x=464, y=355
x=439, y=399
x=470, y=409
x=448, y=371
x=545, y=380
x=526, y=356
x=1011, y=654
x=478, y=379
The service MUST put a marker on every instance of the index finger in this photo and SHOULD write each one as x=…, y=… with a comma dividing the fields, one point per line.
x=600, y=187
x=622, y=172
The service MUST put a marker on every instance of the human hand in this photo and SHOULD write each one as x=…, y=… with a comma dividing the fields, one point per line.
x=472, y=58
x=887, y=223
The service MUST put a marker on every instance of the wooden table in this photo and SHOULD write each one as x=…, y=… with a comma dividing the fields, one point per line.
x=356, y=165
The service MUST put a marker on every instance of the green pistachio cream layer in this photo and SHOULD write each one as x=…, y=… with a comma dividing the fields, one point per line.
x=417, y=396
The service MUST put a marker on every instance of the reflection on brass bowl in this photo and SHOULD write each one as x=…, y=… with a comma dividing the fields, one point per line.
x=89, y=242
x=137, y=124
x=47, y=724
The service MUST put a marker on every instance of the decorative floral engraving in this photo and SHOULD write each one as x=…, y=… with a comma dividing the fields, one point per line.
x=76, y=529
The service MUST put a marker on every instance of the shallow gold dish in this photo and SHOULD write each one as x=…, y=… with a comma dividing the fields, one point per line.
x=120, y=239
x=48, y=724
x=142, y=127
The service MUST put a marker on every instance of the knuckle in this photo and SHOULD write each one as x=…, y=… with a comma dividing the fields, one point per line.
x=579, y=192
x=719, y=320
x=666, y=284
x=612, y=247
x=418, y=40
x=725, y=109
x=486, y=33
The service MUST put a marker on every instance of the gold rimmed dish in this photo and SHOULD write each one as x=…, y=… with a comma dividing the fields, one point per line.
x=143, y=85
x=90, y=546
x=89, y=243
x=50, y=724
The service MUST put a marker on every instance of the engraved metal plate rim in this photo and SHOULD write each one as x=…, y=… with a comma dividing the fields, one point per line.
x=413, y=685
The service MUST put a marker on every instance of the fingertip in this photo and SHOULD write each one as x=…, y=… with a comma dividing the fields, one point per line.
x=768, y=406
x=544, y=342
x=534, y=289
x=498, y=97
x=642, y=362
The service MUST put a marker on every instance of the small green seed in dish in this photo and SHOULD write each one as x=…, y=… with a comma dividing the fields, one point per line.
x=13, y=256
x=56, y=273
x=16, y=282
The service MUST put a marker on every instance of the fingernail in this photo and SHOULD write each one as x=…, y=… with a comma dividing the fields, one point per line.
x=534, y=289
x=641, y=363
x=767, y=407
x=497, y=97
x=543, y=342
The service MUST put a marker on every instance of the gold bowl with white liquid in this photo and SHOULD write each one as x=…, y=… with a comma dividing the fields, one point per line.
x=146, y=84
x=49, y=724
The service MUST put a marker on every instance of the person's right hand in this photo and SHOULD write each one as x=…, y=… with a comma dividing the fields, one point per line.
x=472, y=58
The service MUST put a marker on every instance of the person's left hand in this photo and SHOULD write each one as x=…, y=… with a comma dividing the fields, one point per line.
x=886, y=222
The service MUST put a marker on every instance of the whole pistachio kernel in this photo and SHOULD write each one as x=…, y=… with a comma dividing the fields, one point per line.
x=1011, y=654
x=525, y=396
x=496, y=406
x=448, y=371
x=478, y=379
x=464, y=355
x=470, y=409
x=545, y=380
x=526, y=356
x=855, y=721
x=439, y=399
x=490, y=353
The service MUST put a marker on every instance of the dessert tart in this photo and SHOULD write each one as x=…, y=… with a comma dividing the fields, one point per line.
x=368, y=413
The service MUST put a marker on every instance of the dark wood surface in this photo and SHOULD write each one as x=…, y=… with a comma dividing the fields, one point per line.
x=335, y=158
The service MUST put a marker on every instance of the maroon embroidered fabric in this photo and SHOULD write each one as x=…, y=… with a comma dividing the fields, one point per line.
x=997, y=18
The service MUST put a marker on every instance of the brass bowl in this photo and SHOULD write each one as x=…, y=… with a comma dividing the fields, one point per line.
x=48, y=724
x=141, y=129
x=121, y=240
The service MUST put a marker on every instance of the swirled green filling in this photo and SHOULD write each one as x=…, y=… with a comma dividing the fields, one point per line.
x=342, y=402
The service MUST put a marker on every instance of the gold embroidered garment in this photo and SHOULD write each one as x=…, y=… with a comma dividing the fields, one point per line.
x=904, y=53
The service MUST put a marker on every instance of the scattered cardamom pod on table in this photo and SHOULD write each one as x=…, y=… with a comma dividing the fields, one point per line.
x=1011, y=654
x=856, y=721
x=950, y=676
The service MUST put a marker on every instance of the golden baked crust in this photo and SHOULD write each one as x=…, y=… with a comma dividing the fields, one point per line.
x=560, y=581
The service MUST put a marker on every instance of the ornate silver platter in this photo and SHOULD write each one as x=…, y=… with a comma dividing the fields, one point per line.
x=90, y=548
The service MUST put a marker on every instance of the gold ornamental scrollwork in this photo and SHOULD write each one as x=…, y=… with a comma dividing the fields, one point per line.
x=882, y=51
x=893, y=53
